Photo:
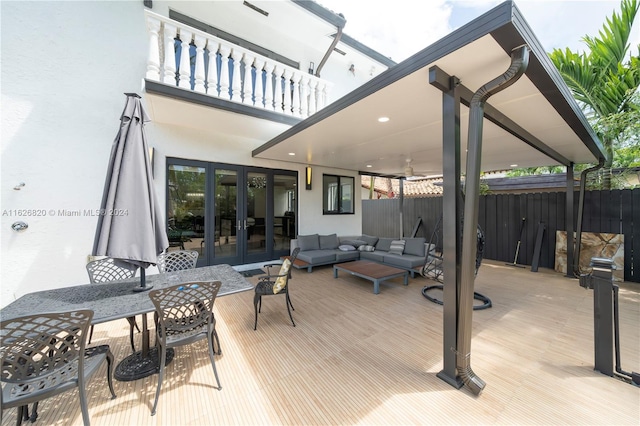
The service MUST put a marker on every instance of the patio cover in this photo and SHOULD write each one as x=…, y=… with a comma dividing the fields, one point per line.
x=534, y=122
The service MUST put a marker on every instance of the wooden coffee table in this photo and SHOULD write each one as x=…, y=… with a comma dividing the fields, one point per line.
x=371, y=271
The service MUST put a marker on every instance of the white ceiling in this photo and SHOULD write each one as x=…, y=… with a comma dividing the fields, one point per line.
x=347, y=135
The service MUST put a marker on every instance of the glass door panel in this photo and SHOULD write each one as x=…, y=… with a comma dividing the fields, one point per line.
x=284, y=211
x=227, y=232
x=256, y=213
x=186, y=208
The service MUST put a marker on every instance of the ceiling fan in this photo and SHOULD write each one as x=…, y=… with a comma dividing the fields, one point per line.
x=410, y=173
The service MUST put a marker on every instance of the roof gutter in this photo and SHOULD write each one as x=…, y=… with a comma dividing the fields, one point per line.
x=583, y=182
x=335, y=41
x=519, y=63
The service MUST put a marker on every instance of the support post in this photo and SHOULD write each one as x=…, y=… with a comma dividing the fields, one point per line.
x=569, y=222
x=451, y=220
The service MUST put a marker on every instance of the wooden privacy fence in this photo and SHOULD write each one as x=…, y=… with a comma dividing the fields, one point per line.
x=500, y=216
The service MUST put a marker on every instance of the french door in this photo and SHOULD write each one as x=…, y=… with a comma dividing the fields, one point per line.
x=230, y=213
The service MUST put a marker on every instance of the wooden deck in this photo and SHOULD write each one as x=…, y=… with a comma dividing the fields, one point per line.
x=360, y=358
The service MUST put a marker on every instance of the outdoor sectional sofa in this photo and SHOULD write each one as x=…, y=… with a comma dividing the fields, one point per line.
x=316, y=250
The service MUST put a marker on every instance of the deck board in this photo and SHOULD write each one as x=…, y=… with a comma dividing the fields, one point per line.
x=359, y=358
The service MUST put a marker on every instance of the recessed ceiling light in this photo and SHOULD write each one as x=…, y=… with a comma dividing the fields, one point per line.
x=369, y=165
x=513, y=165
x=383, y=119
x=292, y=153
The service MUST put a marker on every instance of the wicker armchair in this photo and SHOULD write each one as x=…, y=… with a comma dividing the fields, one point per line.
x=184, y=314
x=177, y=260
x=271, y=285
x=105, y=270
x=44, y=355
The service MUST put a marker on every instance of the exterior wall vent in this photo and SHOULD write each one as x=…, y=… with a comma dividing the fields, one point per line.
x=335, y=49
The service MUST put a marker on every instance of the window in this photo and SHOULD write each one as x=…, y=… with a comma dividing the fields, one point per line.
x=337, y=194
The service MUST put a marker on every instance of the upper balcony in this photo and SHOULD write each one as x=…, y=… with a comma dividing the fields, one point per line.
x=184, y=62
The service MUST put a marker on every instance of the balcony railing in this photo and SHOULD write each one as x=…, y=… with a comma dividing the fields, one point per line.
x=185, y=57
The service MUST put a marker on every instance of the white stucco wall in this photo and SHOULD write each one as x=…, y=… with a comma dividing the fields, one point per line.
x=65, y=67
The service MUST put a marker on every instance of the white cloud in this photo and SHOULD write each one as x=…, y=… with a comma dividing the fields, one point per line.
x=397, y=29
x=401, y=28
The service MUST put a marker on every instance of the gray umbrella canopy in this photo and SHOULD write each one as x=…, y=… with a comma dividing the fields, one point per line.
x=131, y=226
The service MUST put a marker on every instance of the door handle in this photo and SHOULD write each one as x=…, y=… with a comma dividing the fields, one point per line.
x=245, y=224
x=239, y=225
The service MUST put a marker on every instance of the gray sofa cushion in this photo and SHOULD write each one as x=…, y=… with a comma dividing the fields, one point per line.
x=355, y=243
x=308, y=242
x=384, y=244
x=328, y=242
x=345, y=256
x=316, y=257
x=414, y=246
x=376, y=256
x=370, y=240
x=406, y=261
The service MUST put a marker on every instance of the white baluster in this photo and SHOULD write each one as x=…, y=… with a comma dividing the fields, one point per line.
x=287, y=91
x=185, y=61
x=212, y=69
x=304, y=96
x=236, y=84
x=224, y=72
x=277, y=72
x=259, y=95
x=325, y=95
x=199, y=76
x=268, y=86
x=296, y=94
x=169, y=72
x=247, y=82
x=312, y=96
x=153, y=60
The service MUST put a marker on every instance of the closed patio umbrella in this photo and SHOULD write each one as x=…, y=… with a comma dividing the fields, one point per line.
x=130, y=227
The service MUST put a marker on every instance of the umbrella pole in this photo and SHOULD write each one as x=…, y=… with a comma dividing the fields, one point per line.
x=143, y=281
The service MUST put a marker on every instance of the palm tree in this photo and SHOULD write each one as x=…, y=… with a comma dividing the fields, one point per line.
x=600, y=80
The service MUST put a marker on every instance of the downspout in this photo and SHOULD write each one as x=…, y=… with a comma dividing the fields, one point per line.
x=519, y=63
x=583, y=182
x=336, y=39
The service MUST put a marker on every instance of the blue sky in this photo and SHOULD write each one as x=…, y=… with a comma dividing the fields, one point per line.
x=400, y=28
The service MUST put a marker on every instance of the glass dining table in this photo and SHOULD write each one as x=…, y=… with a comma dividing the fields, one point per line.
x=117, y=299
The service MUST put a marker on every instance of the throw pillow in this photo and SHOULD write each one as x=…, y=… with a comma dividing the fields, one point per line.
x=415, y=246
x=370, y=240
x=308, y=242
x=328, y=242
x=347, y=247
x=397, y=247
x=281, y=281
x=366, y=247
x=383, y=244
x=355, y=243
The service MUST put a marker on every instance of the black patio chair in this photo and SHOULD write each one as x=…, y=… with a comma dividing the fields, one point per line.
x=105, y=270
x=271, y=285
x=183, y=315
x=44, y=355
x=177, y=260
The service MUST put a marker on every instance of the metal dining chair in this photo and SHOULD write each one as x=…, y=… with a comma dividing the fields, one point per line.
x=183, y=315
x=44, y=355
x=270, y=285
x=108, y=269
x=177, y=260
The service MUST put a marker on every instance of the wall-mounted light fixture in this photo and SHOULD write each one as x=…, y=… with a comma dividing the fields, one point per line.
x=307, y=182
x=311, y=67
x=352, y=69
